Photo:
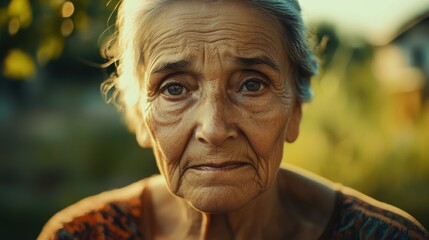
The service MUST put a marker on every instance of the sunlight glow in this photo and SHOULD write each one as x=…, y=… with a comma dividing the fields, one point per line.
x=375, y=21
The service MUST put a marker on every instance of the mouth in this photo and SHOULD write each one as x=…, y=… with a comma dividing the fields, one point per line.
x=219, y=167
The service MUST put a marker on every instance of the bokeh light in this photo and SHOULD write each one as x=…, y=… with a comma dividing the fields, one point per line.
x=18, y=65
x=67, y=27
x=13, y=26
x=67, y=9
x=21, y=9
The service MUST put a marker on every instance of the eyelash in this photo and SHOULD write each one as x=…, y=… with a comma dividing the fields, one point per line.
x=164, y=86
x=261, y=79
x=165, y=83
x=258, y=79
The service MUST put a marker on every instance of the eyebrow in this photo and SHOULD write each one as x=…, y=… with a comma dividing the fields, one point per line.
x=258, y=61
x=172, y=66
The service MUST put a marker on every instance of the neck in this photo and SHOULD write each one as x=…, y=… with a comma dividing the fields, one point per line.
x=260, y=219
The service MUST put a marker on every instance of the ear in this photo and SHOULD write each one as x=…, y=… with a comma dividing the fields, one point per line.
x=143, y=136
x=141, y=129
x=292, y=130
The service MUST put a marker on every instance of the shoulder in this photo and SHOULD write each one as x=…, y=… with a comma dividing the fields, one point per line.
x=357, y=215
x=113, y=214
x=343, y=213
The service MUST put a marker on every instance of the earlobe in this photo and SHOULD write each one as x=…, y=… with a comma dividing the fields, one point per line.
x=143, y=136
x=292, y=130
x=141, y=129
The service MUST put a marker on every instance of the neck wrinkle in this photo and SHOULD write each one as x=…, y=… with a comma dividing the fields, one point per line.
x=266, y=211
x=216, y=227
x=192, y=220
x=267, y=221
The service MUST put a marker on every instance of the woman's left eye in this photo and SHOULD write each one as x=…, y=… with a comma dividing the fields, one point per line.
x=252, y=85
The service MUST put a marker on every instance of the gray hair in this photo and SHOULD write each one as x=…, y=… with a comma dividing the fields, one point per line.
x=288, y=13
x=135, y=16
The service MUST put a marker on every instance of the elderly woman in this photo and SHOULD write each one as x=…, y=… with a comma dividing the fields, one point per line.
x=215, y=88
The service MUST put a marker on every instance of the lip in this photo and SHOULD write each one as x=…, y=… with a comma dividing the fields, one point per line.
x=219, y=167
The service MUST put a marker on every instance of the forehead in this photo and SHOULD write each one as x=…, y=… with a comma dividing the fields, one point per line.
x=187, y=29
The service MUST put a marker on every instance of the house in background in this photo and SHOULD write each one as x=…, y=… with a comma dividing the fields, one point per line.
x=413, y=41
x=402, y=66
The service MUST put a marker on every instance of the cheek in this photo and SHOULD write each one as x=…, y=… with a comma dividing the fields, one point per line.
x=266, y=133
x=170, y=135
x=167, y=129
x=266, y=129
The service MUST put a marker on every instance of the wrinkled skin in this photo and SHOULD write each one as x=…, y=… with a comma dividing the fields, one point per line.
x=218, y=104
x=227, y=109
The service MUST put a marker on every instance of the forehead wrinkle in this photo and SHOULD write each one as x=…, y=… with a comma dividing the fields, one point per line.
x=190, y=22
x=214, y=25
x=188, y=31
x=176, y=43
x=221, y=31
x=174, y=19
x=175, y=51
x=207, y=12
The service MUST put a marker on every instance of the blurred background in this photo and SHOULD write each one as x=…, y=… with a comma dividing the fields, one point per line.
x=367, y=127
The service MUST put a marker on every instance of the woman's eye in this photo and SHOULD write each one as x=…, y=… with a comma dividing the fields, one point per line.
x=175, y=89
x=252, y=85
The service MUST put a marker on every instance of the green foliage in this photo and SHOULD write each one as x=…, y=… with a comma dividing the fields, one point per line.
x=40, y=29
x=354, y=133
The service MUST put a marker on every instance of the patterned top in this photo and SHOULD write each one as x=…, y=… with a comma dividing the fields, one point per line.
x=119, y=214
x=357, y=216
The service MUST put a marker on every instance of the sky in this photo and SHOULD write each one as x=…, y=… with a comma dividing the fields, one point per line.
x=374, y=20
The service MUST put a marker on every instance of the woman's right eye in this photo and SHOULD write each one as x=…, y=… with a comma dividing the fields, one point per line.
x=174, y=89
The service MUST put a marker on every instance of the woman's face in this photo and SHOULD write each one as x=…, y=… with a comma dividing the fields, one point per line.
x=219, y=101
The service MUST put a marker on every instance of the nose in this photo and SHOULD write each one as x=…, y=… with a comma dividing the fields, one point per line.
x=215, y=122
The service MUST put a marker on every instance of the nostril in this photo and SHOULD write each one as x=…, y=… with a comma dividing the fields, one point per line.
x=214, y=126
x=201, y=139
x=215, y=134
